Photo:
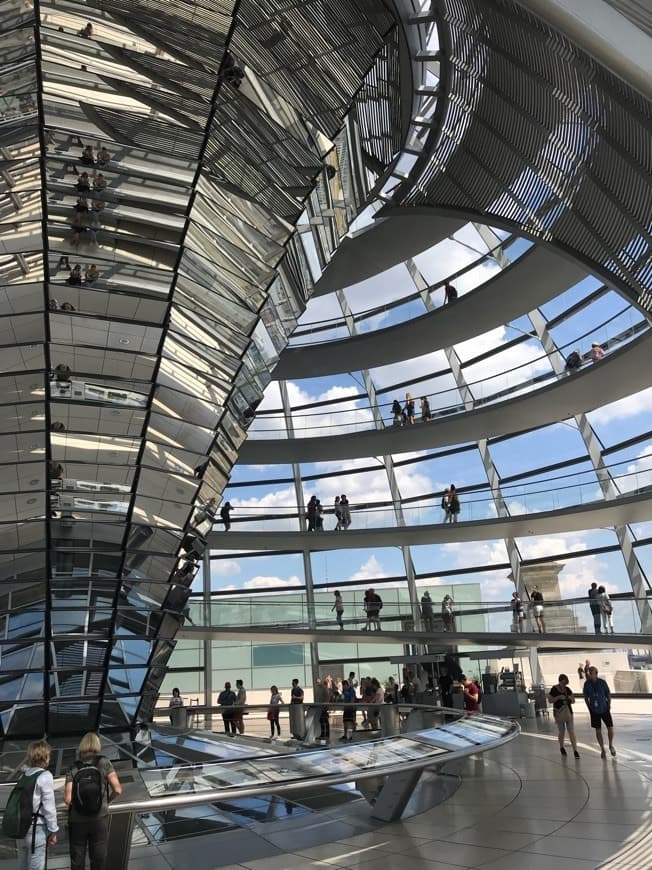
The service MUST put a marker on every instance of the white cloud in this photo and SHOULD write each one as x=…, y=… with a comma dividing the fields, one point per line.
x=266, y=582
x=638, y=403
x=640, y=471
x=225, y=567
x=369, y=570
x=578, y=574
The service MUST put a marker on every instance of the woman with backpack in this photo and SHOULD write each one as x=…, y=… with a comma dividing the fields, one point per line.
x=30, y=815
x=90, y=784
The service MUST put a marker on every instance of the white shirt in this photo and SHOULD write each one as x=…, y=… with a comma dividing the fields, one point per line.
x=43, y=800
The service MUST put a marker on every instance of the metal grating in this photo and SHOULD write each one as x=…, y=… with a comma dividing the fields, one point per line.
x=539, y=137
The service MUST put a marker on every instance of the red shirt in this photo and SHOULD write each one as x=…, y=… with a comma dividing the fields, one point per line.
x=470, y=704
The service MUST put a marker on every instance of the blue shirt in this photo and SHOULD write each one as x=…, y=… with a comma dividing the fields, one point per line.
x=597, y=695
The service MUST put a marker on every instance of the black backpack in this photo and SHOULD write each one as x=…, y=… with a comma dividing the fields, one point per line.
x=88, y=787
x=19, y=815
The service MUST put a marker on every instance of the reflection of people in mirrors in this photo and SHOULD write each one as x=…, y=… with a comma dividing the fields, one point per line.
x=99, y=182
x=83, y=182
x=75, y=276
x=103, y=156
x=87, y=156
x=200, y=469
x=91, y=274
x=87, y=31
x=62, y=373
x=67, y=306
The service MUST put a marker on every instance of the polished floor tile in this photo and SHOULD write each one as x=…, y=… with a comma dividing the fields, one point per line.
x=459, y=854
x=523, y=861
x=567, y=847
x=288, y=862
x=396, y=862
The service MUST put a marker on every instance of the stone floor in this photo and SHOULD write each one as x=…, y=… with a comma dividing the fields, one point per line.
x=522, y=807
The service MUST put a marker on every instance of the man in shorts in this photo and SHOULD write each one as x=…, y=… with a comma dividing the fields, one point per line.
x=598, y=700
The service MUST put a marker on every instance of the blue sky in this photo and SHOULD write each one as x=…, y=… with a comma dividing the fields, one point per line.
x=513, y=365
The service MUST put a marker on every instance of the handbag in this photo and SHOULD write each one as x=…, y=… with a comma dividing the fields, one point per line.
x=563, y=714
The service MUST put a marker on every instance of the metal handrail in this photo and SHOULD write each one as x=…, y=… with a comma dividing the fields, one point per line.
x=142, y=804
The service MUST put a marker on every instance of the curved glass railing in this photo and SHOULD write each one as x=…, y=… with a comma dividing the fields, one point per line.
x=288, y=611
x=421, y=735
x=548, y=494
x=310, y=333
x=344, y=417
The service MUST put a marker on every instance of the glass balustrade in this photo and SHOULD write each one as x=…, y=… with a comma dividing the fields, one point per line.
x=566, y=616
x=551, y=494
x=346, y=417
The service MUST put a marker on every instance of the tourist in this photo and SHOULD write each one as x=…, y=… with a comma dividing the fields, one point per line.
x=537, y=603
x=448, y=613
x=225, y=515
x=562, y=699
x=319, y=516
x=397, y=414
x=348, y=714
x=240, y=702
x=346, y=512
x=518, y=612
x=323, y=695
x=453, y=504
x=99, y=182
x=606, y=610
x=296, y=693
x=450, y=294
x=425, y=409
x=580, y=672
x=337, y=510
x=597, y=353
x=42, y=834
x=176, y=701
x=471, y=694
x=87, y=31
x=427, y=614
x=372, y=604
x=377, y=700
x=275, y=702
x=445, y=687
x=573, y=361
x=598, y=699
x=226, y=698
x=391, y=691
x=594, y=604
x=311, y=513
x=444, y=504
x=409, y=409
x=338, y=607
x=87, y=831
